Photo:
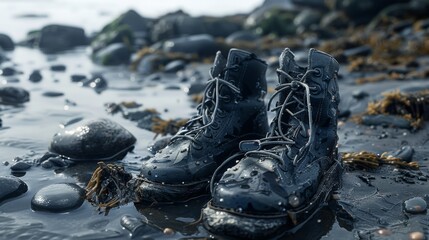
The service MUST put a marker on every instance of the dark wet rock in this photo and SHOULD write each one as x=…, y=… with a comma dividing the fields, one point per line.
x=6, y=42
x=334, y=20
x=32, y=15
x=8, y=71
x=58, y=162
x=114, y=54
x=136, y=115
x=196, y=87
x=61, y=197
x=96, y=82
x=53, y=94
x=58, y=68
x=70, y=122
x=77, y=77
x=122, y=34
x=158, y=144
x=47, y=164
x=3, y=56
x=46, y=156
x=149, y=64
x=176, y=24
x=132, y=19
x=405, y=153
x=386, y=120
x=242, y=36
x=35, y=76
x=306, y=19
x=13, y=95
x=361, y=11
x=55, y=38
x=95, y=140
x=359, y=94
x=11, y=187
x=172, y=87
x=137, y=227
x=364, y=50
x=175, y=66
x=20, y=166
x=222, y=26
x=202, y=45
x=415, y=205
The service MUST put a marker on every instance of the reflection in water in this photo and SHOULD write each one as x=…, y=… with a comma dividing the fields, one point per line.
x=181, y=217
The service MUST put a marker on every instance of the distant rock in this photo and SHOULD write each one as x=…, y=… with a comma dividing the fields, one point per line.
x=96, y=82
x=176, y=24
x=202, y=45
x=35, y=76
x=11, y=187
x=179, y=24
x=100, y=139
x=61, y=197
x=174, y=66
x=276, y=21
x=13, y=95
x=58, y=68
x=77, y=77
x=126, y=29
x=6, y=42
x=8, y=71
x=241, y=36
x=20, y=166
x=55, y=38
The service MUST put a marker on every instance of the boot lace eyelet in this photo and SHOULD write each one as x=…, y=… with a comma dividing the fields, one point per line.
x=317, y=72
x=315, y=89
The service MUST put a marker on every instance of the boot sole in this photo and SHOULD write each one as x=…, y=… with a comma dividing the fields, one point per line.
x=249, y=226
x=157, y=193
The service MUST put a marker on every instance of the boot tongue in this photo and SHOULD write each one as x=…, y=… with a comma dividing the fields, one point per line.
x=287, y=63
x=218, y=65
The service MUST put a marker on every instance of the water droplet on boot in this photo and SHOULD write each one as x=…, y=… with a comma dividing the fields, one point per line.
x=415, y=205
x=417, y=236
x=221, y=200
x=156, y=175
x=197, y=163
x=168, y=231
x=239, y=210
x=253, y=173
x=294, y=201
x=384, y=232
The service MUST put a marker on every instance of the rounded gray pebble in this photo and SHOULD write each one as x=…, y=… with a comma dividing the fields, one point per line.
x=415, y=205
x=60, y=197
x=20, y=166
x=11, y=187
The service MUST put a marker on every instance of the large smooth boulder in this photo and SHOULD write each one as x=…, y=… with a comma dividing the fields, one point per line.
x=100, y=139
x=114, y=54
x=55, y=38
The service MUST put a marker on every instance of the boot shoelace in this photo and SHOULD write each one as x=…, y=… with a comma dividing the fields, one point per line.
x=276, y=136
x=206, y=116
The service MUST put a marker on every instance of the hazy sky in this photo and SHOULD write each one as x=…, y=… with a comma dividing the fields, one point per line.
x=93, y=14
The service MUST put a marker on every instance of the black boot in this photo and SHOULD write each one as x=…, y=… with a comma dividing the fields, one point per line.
x=232, y=110
x=291, y=173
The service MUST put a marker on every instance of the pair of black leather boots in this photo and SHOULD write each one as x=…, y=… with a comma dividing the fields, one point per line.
x=263, y=178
